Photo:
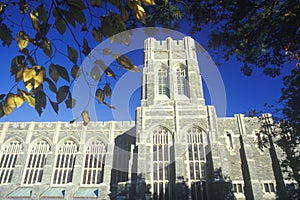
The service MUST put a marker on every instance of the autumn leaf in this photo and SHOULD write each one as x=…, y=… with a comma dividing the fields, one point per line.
x=35, y=21
x=86, y=118
x=126, y=63
x=72, y=54
x=28, y=98
x=148, y=2
x=100, y=95
x=97, y=35
x=106, y=51
x=107, y=90
x=108, y=105
x=22, y=40
x=95, y=73
x=75, y=71
x=17, y=66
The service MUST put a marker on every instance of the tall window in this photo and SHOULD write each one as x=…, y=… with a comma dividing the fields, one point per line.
x=9, y=157
x=65, y=161
x=163, y=82
x=196, y=158
x=181, y=81
x=162, y=141
x=94, y=163
x=36, y=162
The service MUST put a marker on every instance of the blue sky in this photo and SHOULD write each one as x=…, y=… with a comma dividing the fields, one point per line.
x=242, y=93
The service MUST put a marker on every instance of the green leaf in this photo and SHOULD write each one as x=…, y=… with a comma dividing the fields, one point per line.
x=46, y=46
x=70, y=102
x=40, y=101
x=63, y=72
x=77, y=4
x=60, y=25
x=52, y=86
x=5, y=35
x=17, y=66
x=62, y=93
x=2, y=96
x=95, y=3
x=41, y=13
x=54, y=106
x=1, y=110
x=53, y=72
x=72, y=54
x=78, y=16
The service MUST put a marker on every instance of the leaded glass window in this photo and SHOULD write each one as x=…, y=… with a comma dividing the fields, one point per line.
x=9, y=157
x=94, y=163
x=65, y=161
x=36, y=162
x=163, y=82
x=181, y=81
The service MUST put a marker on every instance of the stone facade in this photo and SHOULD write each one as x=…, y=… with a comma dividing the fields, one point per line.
x=176, y=149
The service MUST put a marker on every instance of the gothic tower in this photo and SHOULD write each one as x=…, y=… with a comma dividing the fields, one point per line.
x=172, y=122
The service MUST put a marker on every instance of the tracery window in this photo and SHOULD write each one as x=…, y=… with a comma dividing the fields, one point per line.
x=181, y=81
x=162, y=141
x=94, y=163
x=36, y=162
x=9, y=157
x=196, y=157
x=163, y=82
x=65, y=160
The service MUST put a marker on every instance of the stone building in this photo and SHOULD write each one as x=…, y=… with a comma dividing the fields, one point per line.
x=176, y=149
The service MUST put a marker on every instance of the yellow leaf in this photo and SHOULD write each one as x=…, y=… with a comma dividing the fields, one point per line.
x=86, y=118
x=22, y=40
x=35, y=21
x=140, y=13
x=95, y=73
x=28, y=98
x=148, y=2
x=9, y=104
x=18, y=100
x=28, y=74
x=28, y=85
x=39, y=78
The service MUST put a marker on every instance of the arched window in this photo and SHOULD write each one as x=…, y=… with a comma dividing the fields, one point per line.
x=9, y=157
x=36, y=162
x=65, y=160
x=196, y=157
x=163, y=82
x=196, y=154
x=162, y=157
x=181, y=81
x=94, y=163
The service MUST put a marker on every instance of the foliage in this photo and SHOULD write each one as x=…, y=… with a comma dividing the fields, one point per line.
x=262, y=34
x=258, y=33
x=39, y=37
